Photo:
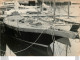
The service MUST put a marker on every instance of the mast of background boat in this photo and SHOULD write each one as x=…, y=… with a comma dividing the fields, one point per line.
x=16, y=7
x=54, y=3
x=37, y=11
x=68, y=9
x=42, y=4
x=50, y=3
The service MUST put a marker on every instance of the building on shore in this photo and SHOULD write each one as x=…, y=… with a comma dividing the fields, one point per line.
x=39, y=2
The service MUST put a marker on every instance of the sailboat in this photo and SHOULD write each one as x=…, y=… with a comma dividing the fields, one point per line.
x=36, y=29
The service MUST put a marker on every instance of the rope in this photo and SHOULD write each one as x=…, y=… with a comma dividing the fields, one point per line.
x=28, y=41
x=31, y=44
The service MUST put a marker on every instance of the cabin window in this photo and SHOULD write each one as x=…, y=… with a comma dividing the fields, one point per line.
x=15, y=13
x=31, y=3
x=44, y=9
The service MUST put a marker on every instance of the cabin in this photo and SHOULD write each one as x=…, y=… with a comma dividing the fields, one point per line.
x=28, y=2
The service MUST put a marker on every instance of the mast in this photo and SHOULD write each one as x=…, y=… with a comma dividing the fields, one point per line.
x=54, y=20
x=42, y=5
x=54, y=5
x=68, y=9
x=16, y=5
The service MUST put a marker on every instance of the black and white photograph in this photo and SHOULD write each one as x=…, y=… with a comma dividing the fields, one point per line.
x=39, y=27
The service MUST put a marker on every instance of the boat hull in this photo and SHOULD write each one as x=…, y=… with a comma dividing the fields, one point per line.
x=43, y=38
x=18, y=40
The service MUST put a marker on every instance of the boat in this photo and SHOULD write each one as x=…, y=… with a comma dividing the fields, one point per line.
x=37, y=28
